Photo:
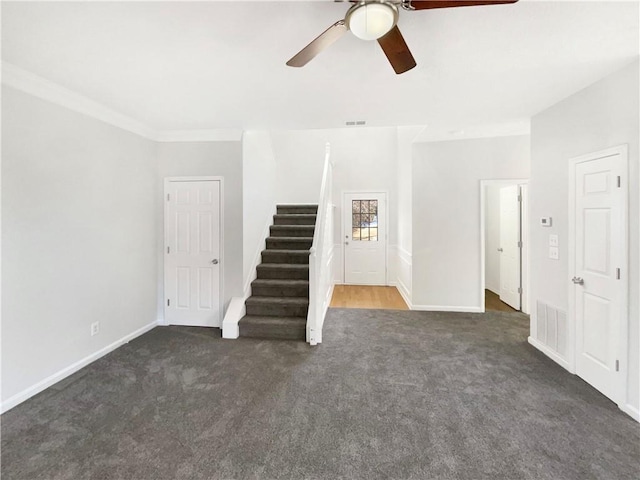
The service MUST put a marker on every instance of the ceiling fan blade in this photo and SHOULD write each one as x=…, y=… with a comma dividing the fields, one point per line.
x=429, y=4
x=397, y=51
x=324, y=40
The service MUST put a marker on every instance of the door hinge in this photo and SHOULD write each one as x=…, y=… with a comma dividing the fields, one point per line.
x=617, y=365
x=168, y=197
x=168, y=302
x=617, y=274
x=519, y=289
x=619, y=181
x=519, y=244
x=519, y=197
x=168, y=249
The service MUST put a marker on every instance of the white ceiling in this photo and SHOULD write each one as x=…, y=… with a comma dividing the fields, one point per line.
x=208, y=65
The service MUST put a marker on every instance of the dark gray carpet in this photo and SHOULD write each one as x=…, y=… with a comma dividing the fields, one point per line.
x=389, y=394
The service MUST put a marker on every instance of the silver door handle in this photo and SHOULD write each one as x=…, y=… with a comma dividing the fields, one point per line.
x=578, y=280
x=214, y=261
x=500, y=250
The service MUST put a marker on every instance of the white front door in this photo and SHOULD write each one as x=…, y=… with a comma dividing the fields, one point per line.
x=192, y=253
x=597, y=285
x=365, y=239
x=510, y=246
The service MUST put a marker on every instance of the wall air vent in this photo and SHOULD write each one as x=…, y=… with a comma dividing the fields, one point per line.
x=353, y=123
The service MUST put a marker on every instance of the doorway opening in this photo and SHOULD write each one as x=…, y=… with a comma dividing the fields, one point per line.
x=504, y=245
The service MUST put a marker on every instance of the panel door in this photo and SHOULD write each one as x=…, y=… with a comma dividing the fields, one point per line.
x=598, y=295
x=365, y=234
x=192, y=253
x=509, y=245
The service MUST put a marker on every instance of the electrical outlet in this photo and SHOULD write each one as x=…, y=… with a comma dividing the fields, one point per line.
x=553, y=253
x=553, y=240
x=95, y=328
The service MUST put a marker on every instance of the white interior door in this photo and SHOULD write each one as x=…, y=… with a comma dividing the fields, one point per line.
x=365, y=232
x=597, y=287
x=510, y=246
x=192, y=253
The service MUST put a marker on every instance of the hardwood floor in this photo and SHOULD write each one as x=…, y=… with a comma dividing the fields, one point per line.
x=388, y=298
x=493, y=302
x=367, y=296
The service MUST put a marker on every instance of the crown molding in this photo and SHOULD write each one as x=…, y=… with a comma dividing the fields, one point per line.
x=32, y=84
x=37, y=86
x=504, y=129
x=218, y=135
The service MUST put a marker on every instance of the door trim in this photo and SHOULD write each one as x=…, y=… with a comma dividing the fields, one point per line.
x=524, y=234
x=343, y=194
x=622, y=151
x=166, y=182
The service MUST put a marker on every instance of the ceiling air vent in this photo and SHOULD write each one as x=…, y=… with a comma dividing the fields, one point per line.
x=352, y=123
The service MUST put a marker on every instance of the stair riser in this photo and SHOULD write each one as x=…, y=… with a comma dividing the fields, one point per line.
x=277, y=291
x=284, y=333
x=286, y=220
x=276, y=257
x=304, y=209
x=282, y=231
x=286, y=274
x=278, y=244
x=277, y=310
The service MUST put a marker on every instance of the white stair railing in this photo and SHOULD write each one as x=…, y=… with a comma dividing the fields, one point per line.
x=321, y=257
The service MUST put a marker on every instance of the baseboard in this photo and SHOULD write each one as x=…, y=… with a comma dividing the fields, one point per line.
x=446, y=308
x=550, y=353
x=257, y=256
x=237, y=309
x=632, y=411
x=404, y=293
x=29, y=392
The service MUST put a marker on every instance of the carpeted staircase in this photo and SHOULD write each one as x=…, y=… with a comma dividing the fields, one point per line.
x=279, y=301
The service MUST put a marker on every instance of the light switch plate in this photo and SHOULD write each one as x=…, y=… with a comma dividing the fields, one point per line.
x=553, y=253
x=553, y=240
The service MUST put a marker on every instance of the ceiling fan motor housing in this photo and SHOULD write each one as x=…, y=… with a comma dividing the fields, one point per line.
x=372, y=19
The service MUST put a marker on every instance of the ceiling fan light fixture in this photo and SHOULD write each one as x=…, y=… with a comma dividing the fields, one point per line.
x=371, y=20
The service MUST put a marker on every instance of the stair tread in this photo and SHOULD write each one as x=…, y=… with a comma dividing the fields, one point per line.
x=287, y=251
x=306, y=227
x=291, y=239
x=295, y=215
x=278, y=300
x=298, y=266
x=289, y=205
x=280, y=281
x=274, y=320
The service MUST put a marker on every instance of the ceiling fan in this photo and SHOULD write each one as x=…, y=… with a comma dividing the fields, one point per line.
x=377, y=20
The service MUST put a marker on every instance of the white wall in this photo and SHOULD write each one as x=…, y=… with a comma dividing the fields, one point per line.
x=259, y=197
x=78, y=239
x=184, y=159
x=299, y=155
x=446, y=215
x=600, y=116
x=492, y=238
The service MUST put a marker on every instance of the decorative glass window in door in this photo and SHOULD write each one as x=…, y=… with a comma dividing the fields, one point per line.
x=364, y=220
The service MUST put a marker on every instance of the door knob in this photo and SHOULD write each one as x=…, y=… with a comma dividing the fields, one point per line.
x=214, y=261
x=346, y=243
x=578, y=280
x=500, y=250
